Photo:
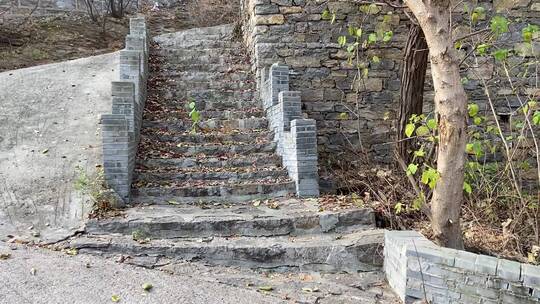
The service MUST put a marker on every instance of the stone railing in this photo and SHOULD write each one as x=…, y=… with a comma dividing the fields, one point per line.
x=416, y=269
x=121, y=129
x=296, y=137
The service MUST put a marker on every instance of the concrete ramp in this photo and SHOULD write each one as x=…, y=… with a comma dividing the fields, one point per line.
x=49, y=125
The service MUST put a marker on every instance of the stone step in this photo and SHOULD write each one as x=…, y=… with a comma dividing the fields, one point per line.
x=216, y=32
x=207, y=85
x=198, y=66
x=332, y=252
x=231, y=193
x=286, y=217
x=253, y=159
x=187, y=149
x=174, y=113
x=200, y=43
x=183, y=59
x=174, y=54
x=171, y=96
x=233, y=104
x=213, y=178
x=180, y=76
x=178, y=124
x=182, y=176
x=216, y=136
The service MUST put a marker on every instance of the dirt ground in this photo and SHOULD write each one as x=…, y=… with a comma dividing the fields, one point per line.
x=33, y=40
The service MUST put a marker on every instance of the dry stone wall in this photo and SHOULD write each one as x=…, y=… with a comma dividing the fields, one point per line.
x=292, y=32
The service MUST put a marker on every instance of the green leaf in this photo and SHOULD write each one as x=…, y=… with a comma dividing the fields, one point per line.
x=147, y=286
x=499, y=25
x=372, y=38
x=411, y=169
x=195, y=116
x=481, y=49
x=371, y=9
x=326, y=15
x=419, y=153
x=528, y=32
x=358, y=33
x=477, y=120
x=398, y=208
x=351, y=30
x=430, y=177
x=473, y=109
x=388, y=36
x=500, y=54
x=350, y=48
x=192, y=105
x=409, y=129
x=343, y=116
x=115, y=298
x=417, y=203
x=342, y=40
x=467, y=187
x=333, y=18
x=536, y=118
x=266, y=288
x=376, y=59
x=431, y=124
x=365, y=72
x=422, y=131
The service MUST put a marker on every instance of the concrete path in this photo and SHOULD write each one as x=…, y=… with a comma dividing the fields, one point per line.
x=60, y=278
x=33, y=275
x=48, y=126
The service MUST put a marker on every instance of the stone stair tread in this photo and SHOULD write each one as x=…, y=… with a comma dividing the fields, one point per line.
x=283, y=217
x=235, y=193
x=259, y=159
x=210, y=183
x=185, y=124
x=330, y=252
x=198, y=175
x=219, y=138
x=207, y=114
x=190, y=148
x=170, y=171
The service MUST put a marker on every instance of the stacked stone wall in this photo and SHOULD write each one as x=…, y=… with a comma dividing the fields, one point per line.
x=121, y=128
x=292, y=32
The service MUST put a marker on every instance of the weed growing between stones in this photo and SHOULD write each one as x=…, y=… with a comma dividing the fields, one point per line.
x=93, y=186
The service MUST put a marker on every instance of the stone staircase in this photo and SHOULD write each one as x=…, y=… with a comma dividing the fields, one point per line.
x=230, y=155
x=220, y=194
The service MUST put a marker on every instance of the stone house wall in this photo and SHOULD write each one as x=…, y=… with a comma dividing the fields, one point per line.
x=292, y=32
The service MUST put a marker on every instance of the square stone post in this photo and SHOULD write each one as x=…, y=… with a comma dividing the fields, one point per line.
x=116, y=153
x=304, y=165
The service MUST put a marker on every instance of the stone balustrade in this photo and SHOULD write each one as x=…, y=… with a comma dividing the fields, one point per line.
x=121, y=128
x=296, y=137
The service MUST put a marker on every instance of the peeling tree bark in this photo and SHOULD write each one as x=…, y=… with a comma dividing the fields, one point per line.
x=451, y=108
x=411, y=92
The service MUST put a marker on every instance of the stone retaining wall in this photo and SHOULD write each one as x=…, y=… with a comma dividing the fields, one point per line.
x=121, y=129
x=54, y=6
x=416, y=269
x=296, y=137
x=292, y=32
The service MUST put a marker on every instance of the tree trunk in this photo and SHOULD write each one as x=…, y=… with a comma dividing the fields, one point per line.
x=451, y=109
x=411, y=91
